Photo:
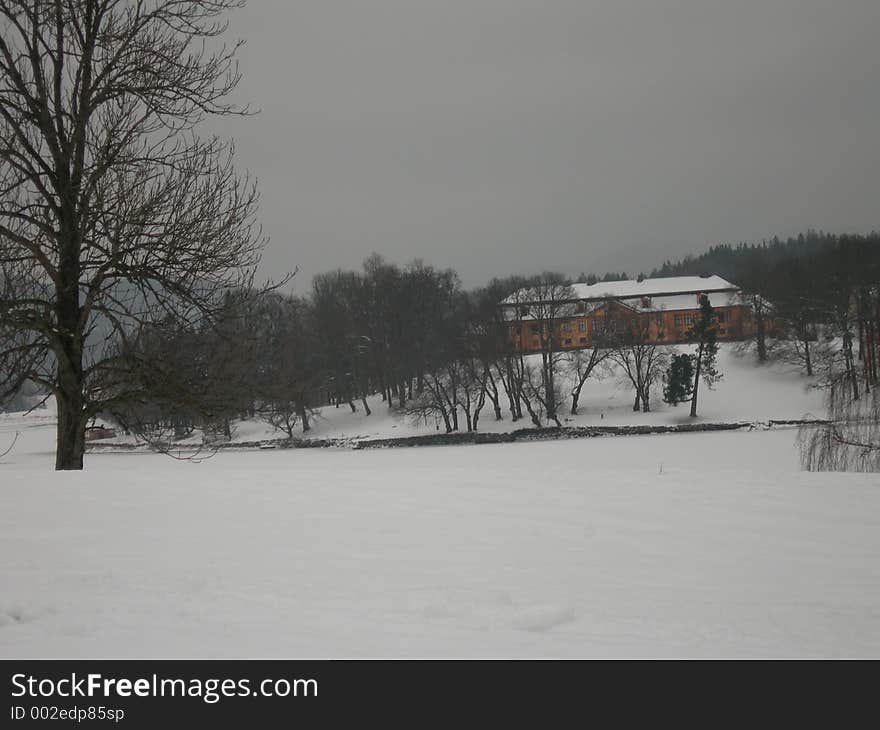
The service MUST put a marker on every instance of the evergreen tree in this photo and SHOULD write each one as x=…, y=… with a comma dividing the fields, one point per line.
x=704, y=333
x=679, y=379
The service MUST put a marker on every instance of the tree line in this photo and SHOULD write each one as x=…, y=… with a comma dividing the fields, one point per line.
x=445, y=356
x=820, y=295
x=431, y=350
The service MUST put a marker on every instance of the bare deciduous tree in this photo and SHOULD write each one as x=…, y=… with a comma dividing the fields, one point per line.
x=551, y=301
x=582, y=363
x=114, y=213
x=641, y=357
x=851, y=440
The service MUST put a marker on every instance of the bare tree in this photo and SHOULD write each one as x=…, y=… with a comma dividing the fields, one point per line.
x=290, y=373
x=114, y=213
x=510, y=366
x=851, y=439
x=582, y=363
x=640, y=356
x=551, y=301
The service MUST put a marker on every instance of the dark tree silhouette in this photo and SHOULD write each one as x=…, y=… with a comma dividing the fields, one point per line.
x=679, y=381
x=114, y=213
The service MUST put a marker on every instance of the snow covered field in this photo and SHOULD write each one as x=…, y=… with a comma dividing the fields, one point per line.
x=673, y=545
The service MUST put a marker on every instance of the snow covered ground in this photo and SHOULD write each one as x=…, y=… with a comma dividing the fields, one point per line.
x=747, y=392
x=709, y=544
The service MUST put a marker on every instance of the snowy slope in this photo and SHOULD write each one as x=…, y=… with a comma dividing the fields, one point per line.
x=747, y=392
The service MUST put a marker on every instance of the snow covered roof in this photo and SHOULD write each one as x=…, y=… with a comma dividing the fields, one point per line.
x=633, y=289
x=652, y=287
x=673, y=302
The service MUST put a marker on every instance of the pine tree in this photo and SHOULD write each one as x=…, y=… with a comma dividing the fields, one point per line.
x=679, y=379
x=704, y=333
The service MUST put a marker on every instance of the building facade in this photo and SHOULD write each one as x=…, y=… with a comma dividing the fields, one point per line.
x=660, y=311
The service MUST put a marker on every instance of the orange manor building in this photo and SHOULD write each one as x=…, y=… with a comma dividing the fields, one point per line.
x=650, y=311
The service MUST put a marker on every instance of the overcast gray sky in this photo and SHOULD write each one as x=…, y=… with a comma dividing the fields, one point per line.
x=512, y=136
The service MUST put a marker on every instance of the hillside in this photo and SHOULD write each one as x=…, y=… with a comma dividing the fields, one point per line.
x=747, y=392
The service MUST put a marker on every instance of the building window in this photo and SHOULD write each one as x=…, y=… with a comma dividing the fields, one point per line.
x=583, y=340
x=678, y=320
x=597, y=325
x=720, y=316
x=568, y=341
x=566, y=326
x=688, y=319
x=534, y=328
x=580, y=307
x=582, y=326
x=659, y=320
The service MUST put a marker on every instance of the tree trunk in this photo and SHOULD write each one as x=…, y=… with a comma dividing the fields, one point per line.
x=492, y=392
x=549, y=387
x=446, y=422
x=71, y=431
x=531, y=411
x=496, y=407
x=575, y=397
x=512, y=392
x=850, y=364
x=303, y=415
x=697, y=381
x=807, y=358
x=760, y=338
x=481, y=402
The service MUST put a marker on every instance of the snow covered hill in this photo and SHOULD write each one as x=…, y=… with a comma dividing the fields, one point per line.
x=747, y=392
